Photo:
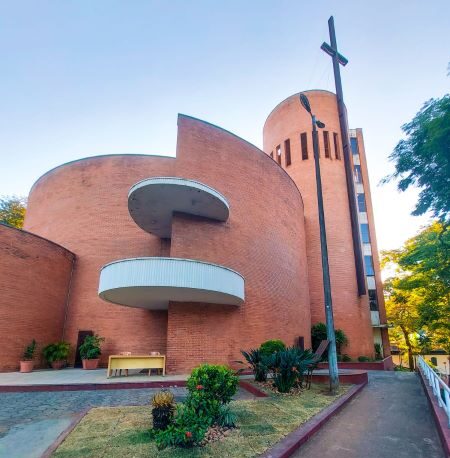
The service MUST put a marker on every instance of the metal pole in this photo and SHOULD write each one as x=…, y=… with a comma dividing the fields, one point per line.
x=332, y=355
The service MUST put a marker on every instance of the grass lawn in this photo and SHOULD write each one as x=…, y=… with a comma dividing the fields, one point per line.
x=123, y=431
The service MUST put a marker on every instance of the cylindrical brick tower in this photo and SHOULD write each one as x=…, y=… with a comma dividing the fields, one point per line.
x=288, y=140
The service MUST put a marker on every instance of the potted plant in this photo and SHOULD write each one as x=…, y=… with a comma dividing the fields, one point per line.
x=90, y=351
x=27, y=363
x=56, y=354
x=163, y=408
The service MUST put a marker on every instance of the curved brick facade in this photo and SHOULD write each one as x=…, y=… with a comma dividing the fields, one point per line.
x=287, y=122
x=83, y=206
x=34, y=283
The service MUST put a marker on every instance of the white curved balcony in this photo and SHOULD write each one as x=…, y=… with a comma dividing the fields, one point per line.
x=152, y=203
x=151, y=283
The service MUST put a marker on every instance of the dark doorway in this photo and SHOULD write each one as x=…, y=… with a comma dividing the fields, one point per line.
x=81, y=336
x=301, y=343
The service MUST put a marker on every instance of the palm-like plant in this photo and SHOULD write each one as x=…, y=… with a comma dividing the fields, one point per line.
x=288, y=366
x=258, y=361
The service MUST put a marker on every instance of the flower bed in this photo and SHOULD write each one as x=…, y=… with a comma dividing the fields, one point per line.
x=125, y=431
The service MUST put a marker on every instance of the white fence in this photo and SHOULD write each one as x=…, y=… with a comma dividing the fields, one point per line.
x=440, y=389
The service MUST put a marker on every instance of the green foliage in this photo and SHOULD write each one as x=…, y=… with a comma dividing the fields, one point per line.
x=344, y=358
x=213, y=381
x=188, y=429
x=91, y=347
x=12, y=210
x=271, y=346
x=226, y=417
x=30, y=349
x=56, y=351
x=422, y=159
x=363, y=359
x=418, y=295
x=378, y=353
x=258, y=362
x=319, y=333
x=288, y=367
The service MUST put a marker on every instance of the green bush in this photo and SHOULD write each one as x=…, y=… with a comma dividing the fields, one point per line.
x=378, y=353
x=213, y=381
x=226, y=417
x=91, y=347
x=363, y=359
x=288, y=367
x=210, y=387
x=346, y=358
x=56, y=352
x=271, y=346
x=258, y=362
x=319, y=333
x=30, y=349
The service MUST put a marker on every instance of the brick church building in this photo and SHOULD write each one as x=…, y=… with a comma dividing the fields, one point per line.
x=196, y=256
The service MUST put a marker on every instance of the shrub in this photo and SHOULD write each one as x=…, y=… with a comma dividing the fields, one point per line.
x=163, y=404
x=213, y=381
x=378, y=352
x=363, y=359
x=346, y=358
x=258, y=362
x=90, y=348
x=30, y=349
x=271, y=346
x=319, y=333
x=187, y=430
x=210, y=387
x=288, y=367
x=56, y=352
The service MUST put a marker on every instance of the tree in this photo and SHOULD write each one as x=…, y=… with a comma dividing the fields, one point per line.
x=423, y=158
x=418, y=296
x=12, y=210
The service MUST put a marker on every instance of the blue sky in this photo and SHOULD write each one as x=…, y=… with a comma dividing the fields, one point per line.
x=87, y=77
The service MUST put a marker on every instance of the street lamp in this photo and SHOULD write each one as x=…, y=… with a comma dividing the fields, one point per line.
x=332, y=356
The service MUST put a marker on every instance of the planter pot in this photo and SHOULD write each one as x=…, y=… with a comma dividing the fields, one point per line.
x=90, y=364
x=58, y=364
x=26, y=366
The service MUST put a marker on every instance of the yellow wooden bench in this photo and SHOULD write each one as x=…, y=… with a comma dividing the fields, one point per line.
x=127, y=362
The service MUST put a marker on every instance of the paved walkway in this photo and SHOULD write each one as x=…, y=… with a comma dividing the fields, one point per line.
x=30, y=422
x=390, y=418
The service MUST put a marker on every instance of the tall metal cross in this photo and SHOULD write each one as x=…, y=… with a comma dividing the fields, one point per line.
x=339, y=59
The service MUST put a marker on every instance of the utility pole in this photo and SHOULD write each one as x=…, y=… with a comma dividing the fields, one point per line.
x=331, y=337
x=339, y=59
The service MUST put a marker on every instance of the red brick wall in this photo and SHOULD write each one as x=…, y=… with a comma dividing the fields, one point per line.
x=287, y=121
x=34, y=282
x=264, y=240
x=83, y=206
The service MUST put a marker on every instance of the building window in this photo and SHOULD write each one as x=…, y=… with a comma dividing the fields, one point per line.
x=278, y=154
x=354, y=145
x=304, y=142
x=271, y=154
x=368, y=263
x=287, y=152
x=373, y=300
x=326, y=142
x=337, y=150
x=361, y=203
x=357, y=173
x=365, y=233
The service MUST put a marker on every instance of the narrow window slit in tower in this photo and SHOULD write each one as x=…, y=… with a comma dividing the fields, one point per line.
x=287, y=152
x=326, y=142
x=337, y=151
x=279, y=154
x=304, y=142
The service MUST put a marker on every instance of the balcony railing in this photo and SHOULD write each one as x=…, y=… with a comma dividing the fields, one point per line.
x=440, y=389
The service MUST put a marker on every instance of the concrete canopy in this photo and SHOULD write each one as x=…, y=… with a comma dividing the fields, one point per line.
x=151, y=283
x=152, y=202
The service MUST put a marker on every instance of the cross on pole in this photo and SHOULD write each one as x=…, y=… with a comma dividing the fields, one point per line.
x=338, y=59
